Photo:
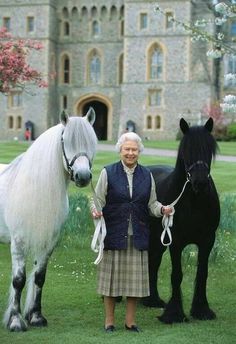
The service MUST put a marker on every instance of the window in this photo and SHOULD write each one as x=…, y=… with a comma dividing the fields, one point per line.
x=18, y=122
x=233, y=28
x=149, y=122
x=7, y=23
x=230, y=70
x=10, y=122
x=155, y=63
x=121, y=68
x=66, y=29
x=30, y=24
x=95, y=69
x=15, y=100
x=95, y=28
x=154, y=97
x=64, y=102
x=113, y=12
x=143, y=21
x=65, y=69
x=169, y=22
x=122, y=28
x=158, y=122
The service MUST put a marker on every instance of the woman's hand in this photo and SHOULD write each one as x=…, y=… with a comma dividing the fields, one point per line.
x=166, y=210
x=96, y=214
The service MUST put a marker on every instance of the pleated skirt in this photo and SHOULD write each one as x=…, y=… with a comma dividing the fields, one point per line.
x=124, y=272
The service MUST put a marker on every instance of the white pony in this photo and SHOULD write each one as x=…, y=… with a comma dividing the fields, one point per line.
x=34, y=205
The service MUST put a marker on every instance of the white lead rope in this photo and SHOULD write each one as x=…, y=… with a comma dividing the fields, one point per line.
x=167, y=220
x=100, y=232
x=97, y=244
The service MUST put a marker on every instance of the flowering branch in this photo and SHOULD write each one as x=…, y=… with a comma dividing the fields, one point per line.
x=220, y=47
x=14, y=69
x=198, y=34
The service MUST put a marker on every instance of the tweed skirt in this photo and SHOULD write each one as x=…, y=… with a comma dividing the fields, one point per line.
x=124, y=272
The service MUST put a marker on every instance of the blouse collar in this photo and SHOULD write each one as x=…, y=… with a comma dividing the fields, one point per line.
x=127, y=169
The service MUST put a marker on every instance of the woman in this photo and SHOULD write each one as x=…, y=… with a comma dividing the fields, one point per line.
x=126, y=192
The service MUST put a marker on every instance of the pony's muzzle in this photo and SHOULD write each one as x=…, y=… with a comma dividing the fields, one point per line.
x=200, y=185
x=82, y=179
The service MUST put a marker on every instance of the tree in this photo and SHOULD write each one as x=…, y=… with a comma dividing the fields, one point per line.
x=222, y=13
x=14, y=68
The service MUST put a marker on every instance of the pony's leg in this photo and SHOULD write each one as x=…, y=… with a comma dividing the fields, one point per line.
x=13, y=319
x=173, y=312
x=155, y=253
x=33, y=311
x=200, y=308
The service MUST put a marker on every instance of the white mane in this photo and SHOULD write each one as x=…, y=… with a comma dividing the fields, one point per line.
x=37, y=201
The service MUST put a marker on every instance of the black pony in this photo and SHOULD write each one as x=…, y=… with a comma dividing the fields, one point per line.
x=196, y=219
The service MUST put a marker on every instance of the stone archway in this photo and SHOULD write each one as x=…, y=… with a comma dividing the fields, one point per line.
x=103, y=109
x=100, y=125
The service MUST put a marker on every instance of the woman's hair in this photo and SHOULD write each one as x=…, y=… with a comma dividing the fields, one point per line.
x=130, y=136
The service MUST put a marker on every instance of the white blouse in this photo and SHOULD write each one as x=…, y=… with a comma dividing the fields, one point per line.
x=101, y=191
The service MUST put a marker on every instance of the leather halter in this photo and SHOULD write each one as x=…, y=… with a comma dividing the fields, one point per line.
x=197, y=163
x=70, y=164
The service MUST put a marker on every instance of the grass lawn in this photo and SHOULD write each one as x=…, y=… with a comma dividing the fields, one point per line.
x=74, y=310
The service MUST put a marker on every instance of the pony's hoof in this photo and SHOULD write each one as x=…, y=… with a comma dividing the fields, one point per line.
x=203, y=314
x=153, y=302
x=17, y=324
x=37, y=320
x=167, y=319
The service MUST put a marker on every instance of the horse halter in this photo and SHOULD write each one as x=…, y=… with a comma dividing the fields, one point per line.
x=197, y=163
x=69, y=165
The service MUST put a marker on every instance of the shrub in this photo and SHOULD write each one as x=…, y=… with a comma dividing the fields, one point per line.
x=228, y=212
x=231, y=132
x=78, y=226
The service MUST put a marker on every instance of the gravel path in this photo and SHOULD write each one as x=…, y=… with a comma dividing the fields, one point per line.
x=162, y=152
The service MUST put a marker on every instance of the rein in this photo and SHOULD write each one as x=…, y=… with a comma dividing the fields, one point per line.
x=167, y=220
x=69, y=165
x=100, y=232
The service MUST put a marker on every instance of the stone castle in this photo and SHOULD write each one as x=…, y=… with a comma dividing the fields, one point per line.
x=135, y=66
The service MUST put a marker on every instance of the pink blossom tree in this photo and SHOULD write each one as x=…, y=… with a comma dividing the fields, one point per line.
x=14, y=68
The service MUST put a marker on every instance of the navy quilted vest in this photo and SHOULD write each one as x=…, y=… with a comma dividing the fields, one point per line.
x=119, y=207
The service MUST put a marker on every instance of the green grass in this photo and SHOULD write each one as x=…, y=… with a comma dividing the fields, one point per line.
x=74, y=310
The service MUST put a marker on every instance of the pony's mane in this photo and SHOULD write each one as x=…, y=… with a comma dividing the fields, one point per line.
x=37, y=199
x=197, y=144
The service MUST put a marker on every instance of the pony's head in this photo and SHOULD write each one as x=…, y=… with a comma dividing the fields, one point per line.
x=196, y=150
x=78, y=146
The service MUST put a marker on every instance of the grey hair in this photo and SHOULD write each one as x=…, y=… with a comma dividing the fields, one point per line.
x=130, y=136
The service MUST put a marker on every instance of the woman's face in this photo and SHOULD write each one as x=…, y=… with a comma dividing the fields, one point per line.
x=129, y=153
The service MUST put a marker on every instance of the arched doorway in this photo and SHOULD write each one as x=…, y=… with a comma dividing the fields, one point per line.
x=101, y=110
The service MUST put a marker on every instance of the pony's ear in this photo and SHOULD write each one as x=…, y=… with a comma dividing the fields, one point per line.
x=64, y=117
x=183, y=126
x=91, y=116
x=209, y=124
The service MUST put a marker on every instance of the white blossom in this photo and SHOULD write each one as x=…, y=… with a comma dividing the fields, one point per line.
x=222, y=8
x=228, y=107
x=214, y=53
x=230, y=77
x=230, y=99
x=220, y=21
x=220, y=36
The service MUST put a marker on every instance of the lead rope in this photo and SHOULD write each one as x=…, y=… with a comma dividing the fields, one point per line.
x=100, y=232
x=167, y=220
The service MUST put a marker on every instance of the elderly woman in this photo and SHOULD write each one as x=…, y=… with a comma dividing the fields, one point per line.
x=126, y=192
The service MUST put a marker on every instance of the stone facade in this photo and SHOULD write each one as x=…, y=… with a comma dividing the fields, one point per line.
x=103, y=53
